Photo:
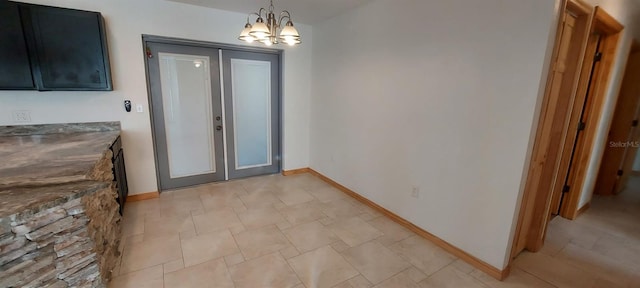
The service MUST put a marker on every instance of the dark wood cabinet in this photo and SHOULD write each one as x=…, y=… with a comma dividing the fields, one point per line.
x=15, y=68
x=65, y=49
x=119, y=173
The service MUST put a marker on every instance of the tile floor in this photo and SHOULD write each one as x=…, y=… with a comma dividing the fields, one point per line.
x=298, y=232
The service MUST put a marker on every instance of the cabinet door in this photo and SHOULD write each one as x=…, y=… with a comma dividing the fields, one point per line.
x=69, y=47
x=15, y=69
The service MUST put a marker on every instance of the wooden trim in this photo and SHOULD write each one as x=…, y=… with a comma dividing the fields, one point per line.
x=143, y=196
x=607, y=25
x=635, y=46
x=543, y=166
x=584, y=208
x=295, y=171
x=579, y=7
x=472, y=260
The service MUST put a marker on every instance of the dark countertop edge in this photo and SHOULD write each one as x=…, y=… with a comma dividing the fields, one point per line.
x=42, y=129
x=79, y=189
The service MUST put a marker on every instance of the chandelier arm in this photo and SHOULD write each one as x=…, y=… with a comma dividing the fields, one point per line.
x=251, y=14
x=282, y=17
x=260, y=12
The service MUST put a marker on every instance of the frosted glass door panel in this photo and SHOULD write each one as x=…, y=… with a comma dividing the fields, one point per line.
x=188, y=116
x=251, y=94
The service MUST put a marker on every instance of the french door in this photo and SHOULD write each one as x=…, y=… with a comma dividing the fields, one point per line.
x=251, y=86
x=203, y=132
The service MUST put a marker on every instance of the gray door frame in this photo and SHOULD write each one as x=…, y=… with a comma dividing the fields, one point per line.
x=219, y=46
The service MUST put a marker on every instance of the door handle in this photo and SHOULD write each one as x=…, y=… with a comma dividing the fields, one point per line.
x=218, y=128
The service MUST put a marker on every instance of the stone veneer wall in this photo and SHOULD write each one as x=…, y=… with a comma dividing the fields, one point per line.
x=74, y=244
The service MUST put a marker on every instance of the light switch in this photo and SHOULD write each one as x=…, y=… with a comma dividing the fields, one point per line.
x=139, y=108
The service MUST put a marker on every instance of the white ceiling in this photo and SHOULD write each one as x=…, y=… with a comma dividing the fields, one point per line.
x=303, y=11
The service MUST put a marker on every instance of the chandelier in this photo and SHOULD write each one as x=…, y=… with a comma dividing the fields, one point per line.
x=266, y=32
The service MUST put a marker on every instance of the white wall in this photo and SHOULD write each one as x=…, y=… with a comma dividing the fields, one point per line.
x=436, y=94
x=627, y=12
x=126, y=21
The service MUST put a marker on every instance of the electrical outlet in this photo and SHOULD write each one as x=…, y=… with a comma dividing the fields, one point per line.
x=415, y=192
x=21, y=116
x=139, y=108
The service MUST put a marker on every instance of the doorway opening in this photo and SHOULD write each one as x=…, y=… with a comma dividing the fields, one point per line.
x=624, y=136
x=583, y=58
x=215, y=111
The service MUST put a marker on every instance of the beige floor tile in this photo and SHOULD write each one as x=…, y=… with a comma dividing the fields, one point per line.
x=213, y=274
x=128, y=240
x=450, y=277
x=289, y=252
x=375, y=262
x=267, y=271
x=303, y=213
x=173, y=206
x=398, y=281
x=258, y=242
x=149, y=207
x=293, y=196
x=147, y=278
x=234, y=186
x=359, y=282
x=173, y=266
x=393, y=232
x=132, y=225
x=463, y=266
x=310, y=182
x=423, y=254
x=340, y=246
x=150, y=253
x=339, y=208
x=321, y=268
x=260, y=217
x=260, y=199
x=207, y=247
x=517, y=279
x=221, y=199
x=616, y=248
x=310, y=236
x=214, y=220
x=234, y=259
x=167, y=226
x=326, y=194
x=344, y=284
x=354, y=231
x=415, y=274
x=553, y=270
x=259, y=183
x=609, y=269
x=581, y=235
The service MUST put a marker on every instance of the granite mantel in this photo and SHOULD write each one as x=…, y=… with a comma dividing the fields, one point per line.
x=59, y=220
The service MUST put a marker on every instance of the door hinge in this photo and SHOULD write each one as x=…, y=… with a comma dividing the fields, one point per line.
x=149, y=54
x=597, y=57
x=566, y=189
x=620, y=172
x=634, y=123
x=581, y=126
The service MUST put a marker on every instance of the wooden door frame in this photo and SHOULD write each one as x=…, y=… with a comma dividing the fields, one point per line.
x=620, y=116
x=611, y=31
x=535, y=211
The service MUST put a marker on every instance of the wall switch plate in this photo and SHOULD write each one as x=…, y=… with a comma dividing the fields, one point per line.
x=21, y=116
x=139, y=108
x=415, y=192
